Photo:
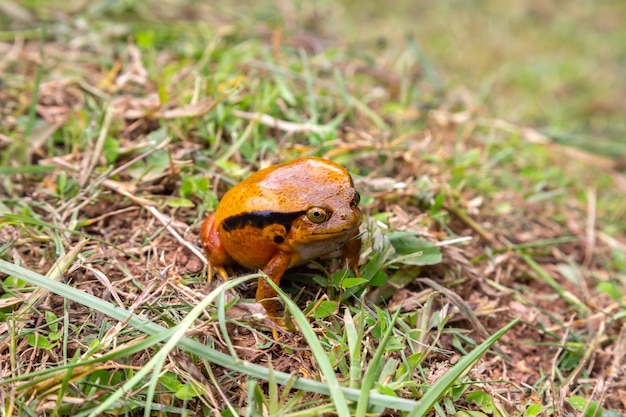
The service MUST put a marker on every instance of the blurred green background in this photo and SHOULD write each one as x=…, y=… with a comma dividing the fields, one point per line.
x=558, y=66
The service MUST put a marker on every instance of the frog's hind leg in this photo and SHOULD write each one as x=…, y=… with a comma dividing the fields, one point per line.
x=215, y=252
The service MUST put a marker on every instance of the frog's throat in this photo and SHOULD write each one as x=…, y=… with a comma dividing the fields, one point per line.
x=260, y=219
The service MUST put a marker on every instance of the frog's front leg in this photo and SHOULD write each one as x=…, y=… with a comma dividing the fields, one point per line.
x=274, y=269
x=350, y=252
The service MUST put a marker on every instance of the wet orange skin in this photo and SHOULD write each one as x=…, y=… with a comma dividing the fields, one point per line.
x=282, y=216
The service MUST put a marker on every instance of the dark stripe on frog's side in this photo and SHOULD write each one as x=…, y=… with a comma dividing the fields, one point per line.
x=260, y=219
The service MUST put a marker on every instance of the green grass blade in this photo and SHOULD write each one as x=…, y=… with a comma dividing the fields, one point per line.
x=32, y=111
x=434, y=393
x=354, y=337
x=545, y=277
x=10, y=218
x=429, y=69
x=337, y=395
x=43, y=374
x=374, y=366
x=156, y=363
x=27, y=169
x=191, y=346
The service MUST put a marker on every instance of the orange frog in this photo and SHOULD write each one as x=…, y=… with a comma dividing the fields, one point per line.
x=284, y=215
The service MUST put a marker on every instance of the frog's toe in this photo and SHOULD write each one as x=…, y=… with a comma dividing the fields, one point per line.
x=220, y=271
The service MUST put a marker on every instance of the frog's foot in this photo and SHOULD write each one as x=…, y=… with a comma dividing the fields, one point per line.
x=256, y=313
x=283, y=324
x=219, y=270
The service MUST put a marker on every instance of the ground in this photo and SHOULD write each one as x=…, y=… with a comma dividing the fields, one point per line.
x=115, y=148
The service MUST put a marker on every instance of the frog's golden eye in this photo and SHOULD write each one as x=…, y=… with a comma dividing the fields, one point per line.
x=317, y=214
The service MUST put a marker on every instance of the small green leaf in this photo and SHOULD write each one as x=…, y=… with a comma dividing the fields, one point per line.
x=405, y=243
x=411, y=250
x=482, y=400
x=188, y=391
x=187, y=186
x=338, y=277
x=594, y=410
x=228, y=413
x=320, y=280
x=198, y=186
x=456, y=392
x=170, y=381
x=325, y=309
x=533, y=410
x=38, y=341
x=579, y=403
x=14, y=282
x=611, y=289
x=55, y=335
x=52, y=321
x=381, y=217
x=111, y=150
x=352, y=282
x=504, y=208
x=384, y=389
x=414, y=360
x=180, y=202
x=145, y=38
x=159, y=161
x=379, y=278
x=438, y=203
x=157, y=136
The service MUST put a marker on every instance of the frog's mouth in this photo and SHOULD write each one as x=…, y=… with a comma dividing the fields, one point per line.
x=313, y=245
x=347, y=232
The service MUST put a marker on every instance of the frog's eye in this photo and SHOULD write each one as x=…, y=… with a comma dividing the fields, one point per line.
x=357, y=199
x=317, y=214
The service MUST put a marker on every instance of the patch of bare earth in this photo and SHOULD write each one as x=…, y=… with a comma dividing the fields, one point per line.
x=503, y=286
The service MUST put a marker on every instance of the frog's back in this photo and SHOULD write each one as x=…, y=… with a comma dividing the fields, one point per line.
x=291, y=187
